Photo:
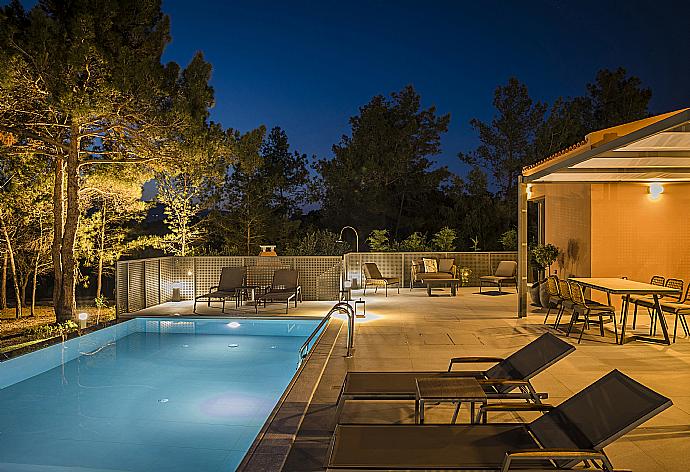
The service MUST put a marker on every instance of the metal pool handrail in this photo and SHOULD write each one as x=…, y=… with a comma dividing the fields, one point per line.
x=340, y=307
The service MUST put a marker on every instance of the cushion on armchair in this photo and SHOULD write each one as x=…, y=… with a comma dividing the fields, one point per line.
x=430, y=265
x=446, y=265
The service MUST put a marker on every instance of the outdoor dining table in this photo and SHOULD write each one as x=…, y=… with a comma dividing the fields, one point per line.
x=625, y=287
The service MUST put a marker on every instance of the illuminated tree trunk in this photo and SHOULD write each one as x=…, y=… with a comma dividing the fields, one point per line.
x=58, y=223
x=65, y=234
x=3, y=282
x=101, y=248
x=13, y=267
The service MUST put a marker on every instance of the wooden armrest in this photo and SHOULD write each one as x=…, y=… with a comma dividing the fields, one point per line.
x=517, y=407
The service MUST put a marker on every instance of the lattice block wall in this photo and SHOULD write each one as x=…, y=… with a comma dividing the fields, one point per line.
x=207, y=271
x=177, y=272
x=121, y=284
x=136, y=288
x=399, y=264
x=319, y=277
x=152, y=282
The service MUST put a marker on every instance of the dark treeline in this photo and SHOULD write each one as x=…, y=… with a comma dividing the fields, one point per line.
x=89, y=114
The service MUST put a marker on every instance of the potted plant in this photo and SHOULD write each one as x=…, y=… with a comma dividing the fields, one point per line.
x=543, y=255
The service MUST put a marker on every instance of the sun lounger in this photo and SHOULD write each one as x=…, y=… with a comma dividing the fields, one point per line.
x=518, y=368
x=575, y=431
x=231, y=278
x=284, y=288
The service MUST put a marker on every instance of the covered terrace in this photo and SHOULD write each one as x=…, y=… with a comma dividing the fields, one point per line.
x=615, y=204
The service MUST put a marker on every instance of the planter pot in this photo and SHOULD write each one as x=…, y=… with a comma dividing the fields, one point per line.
x=534, y=293
x=543, y=294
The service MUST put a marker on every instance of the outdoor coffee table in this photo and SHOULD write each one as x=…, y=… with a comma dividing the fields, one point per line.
x=439, y=283
x=626, y=288
x=448, y=389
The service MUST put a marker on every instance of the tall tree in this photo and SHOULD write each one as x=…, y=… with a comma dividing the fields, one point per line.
x=613, y=98
x=507, y=143
x=111, y=198
x=263, y=193
x=382, y=175
x=83, y=84
x=617, y=98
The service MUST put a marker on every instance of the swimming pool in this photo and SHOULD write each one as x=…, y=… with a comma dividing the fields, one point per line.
x=147, y=394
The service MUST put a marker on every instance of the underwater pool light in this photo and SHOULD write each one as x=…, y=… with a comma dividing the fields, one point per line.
x=234, y=324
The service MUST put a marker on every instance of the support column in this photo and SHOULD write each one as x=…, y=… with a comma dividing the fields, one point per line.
x=522, y=248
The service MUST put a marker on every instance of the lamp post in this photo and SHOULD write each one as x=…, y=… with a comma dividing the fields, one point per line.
x=340, y=239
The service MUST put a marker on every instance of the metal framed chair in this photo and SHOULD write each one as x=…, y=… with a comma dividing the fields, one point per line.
x=373, y=277
x=680, y=309
x=505, y=272
x=583, y=308
x=555, y=299
x=645, y=300
x=566, y=303
x=566, y=436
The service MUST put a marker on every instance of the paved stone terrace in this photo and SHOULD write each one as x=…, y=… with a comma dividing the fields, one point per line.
x=411, y=331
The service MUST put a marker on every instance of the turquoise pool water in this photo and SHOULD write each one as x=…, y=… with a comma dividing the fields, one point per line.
x=147, y=395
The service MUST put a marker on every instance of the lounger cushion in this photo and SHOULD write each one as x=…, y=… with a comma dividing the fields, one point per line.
x=494, y=278
x=426, y=446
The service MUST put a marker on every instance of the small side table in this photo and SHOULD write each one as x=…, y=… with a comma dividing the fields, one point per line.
x=251, y=289
x=448, y=389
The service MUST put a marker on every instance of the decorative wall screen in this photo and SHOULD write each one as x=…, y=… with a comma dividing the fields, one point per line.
x=149, y=282
x=399, y=264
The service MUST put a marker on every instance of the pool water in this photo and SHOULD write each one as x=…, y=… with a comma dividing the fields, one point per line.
x=157, y=395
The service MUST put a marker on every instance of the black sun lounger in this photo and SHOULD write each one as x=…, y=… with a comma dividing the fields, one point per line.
x=575, y=431
x=509, y=374
x=231, y=278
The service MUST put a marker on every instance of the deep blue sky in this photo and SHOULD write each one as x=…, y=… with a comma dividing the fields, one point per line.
x=308, y=66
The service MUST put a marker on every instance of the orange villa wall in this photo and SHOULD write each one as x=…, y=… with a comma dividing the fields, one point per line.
x=613, y=230
x=637, y=237
x=568, y=226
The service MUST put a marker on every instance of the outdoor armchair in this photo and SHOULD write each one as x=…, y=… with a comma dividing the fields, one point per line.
x=284, y=288
x=505, y=272
x=446, y=269
x=522, y=365
x=565, y=436
x=373, y=277
x=231, y=279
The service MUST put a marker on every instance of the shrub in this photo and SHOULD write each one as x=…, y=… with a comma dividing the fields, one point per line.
x=509, y=240
x=444, y=240
x=379, y=241
x=416, y=242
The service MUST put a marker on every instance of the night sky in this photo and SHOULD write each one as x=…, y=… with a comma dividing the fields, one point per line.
x=309, y=66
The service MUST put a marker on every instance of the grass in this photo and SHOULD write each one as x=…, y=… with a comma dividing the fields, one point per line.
x=14, y=332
